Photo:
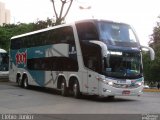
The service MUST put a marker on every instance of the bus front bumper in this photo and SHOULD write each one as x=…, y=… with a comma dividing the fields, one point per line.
x=4, y=75
x=107, y=90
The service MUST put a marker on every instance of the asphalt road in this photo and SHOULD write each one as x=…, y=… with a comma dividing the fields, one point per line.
x=35, y=100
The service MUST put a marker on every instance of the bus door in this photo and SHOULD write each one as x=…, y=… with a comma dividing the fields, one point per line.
x=92, y=60
x=94, y=66
x=92, y=82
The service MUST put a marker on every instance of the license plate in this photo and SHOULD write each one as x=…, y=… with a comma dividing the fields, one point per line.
x=126, y=92
x=121, y=82
x=128, y=81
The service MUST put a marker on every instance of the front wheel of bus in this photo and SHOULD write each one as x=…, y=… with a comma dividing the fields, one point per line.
x=76, y=90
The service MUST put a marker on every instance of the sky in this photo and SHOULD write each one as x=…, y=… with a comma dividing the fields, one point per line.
x=141, y=14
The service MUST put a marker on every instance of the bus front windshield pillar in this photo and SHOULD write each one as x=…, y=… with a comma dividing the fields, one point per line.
x=103, y=46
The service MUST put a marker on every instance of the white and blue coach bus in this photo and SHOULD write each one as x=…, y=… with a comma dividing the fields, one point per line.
x=94, y=57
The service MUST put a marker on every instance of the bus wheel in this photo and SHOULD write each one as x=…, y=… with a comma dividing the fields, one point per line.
x=111, y=97
x=76, y=90
x=25, y=82
x=19, y=82
x=63, y=88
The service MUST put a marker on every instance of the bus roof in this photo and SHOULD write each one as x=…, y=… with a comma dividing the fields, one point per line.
x=38, y=31
x=100, y=20
x=2, y=51
x=54, y=27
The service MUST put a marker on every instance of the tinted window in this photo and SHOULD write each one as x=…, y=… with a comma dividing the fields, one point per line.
x=87, y=31
x=123, y=65
x=117, y=34
x=91, y=52
x=59, y=35
x=53, y=64
x=4, y=59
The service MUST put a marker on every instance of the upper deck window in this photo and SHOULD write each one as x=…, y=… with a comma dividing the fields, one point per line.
x=115, y=33
x=54, y=36
x=87, y=31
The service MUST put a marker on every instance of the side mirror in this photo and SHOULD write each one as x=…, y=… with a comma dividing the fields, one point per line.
x=151, y=51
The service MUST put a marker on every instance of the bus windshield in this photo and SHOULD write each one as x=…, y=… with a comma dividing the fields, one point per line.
x=3, y=62
x=123, y=65
x=117, y=33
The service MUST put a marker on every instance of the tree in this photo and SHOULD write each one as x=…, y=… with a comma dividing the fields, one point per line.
x=152, y=68
x=62, y=15
x=40, y=24
x=6, y=32
x=9, y=30
x=155, y=37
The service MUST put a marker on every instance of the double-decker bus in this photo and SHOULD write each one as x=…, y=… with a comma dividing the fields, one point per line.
x=94, y=57
x=4, y=59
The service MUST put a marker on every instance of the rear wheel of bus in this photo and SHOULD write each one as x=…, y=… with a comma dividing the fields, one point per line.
x=18, y=80
x=111, y=97
x=25, y=82
x=64, y=91
x=76, y=90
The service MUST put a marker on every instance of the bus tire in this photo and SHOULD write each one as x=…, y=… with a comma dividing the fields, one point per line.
x=19, y=82
x=25, y=82
x=63, y=88
x=76, y=90
x=111, y=97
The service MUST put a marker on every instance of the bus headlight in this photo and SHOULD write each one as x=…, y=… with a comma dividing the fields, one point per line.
x=105, y=81
x=139, y=83
x=110, y=83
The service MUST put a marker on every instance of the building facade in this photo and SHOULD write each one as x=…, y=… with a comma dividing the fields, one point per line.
x=5, y=15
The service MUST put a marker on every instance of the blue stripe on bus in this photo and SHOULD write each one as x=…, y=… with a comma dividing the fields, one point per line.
x=38, y=76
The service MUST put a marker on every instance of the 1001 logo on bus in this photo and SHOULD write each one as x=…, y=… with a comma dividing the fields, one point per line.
x=21, y=57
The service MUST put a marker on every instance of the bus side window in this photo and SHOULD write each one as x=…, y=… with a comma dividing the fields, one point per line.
x=87, y=31
x=92, y=57
x=17, y=43
x=92, y=63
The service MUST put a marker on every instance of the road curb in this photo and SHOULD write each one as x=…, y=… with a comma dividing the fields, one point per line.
x=4, y=80
x=151, y=90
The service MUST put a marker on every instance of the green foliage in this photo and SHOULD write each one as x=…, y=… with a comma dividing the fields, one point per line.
x=146, y=67
x=5, y=34
x=152, y=68
x=9, y=30
x=156, y=33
